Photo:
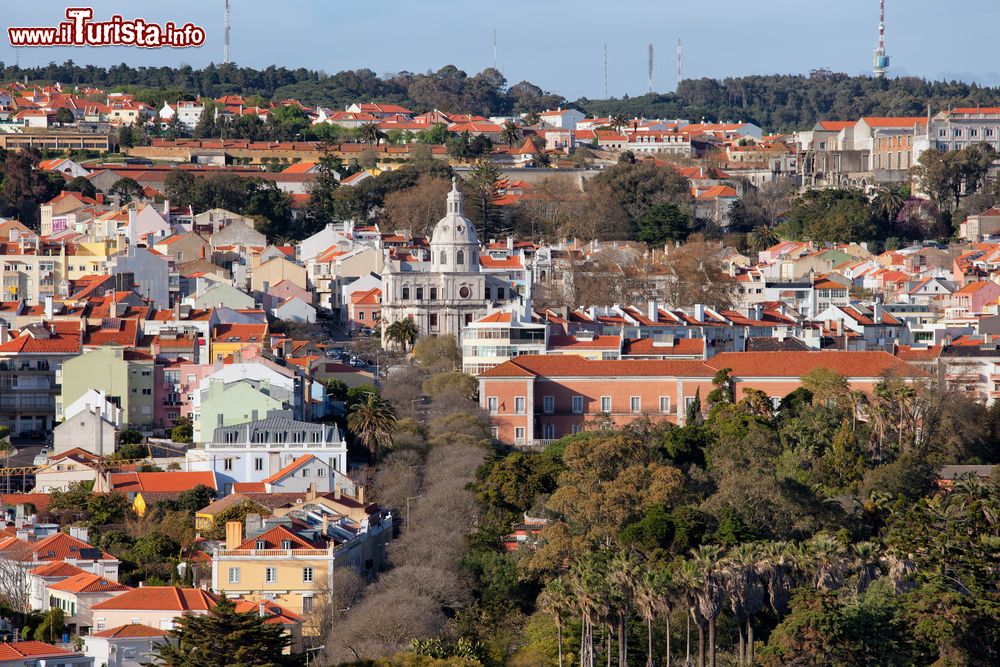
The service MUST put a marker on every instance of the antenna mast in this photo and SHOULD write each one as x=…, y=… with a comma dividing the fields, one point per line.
x=680, y=62
x=650, y=91
x=494, y=48
x=605, y=71
x=881, y=60
x=225, y=58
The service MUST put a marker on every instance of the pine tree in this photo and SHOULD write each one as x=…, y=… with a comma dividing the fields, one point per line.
x=224, y=638
x=694, y=409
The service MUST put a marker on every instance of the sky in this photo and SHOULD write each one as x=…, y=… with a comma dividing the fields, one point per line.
x=556, y=44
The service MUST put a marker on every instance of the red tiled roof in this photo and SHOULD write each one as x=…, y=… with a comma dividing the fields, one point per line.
x=273, y=538
x=797, y=364
x=57, y=568
x=566, y=365
x=160, y=598
x=249, y=487
x=61, y=546
x=132, y=631
x=22, y=651
x=499, y=317
x=910, y=353
x=512, y=262
x=160, y=482
x=290, y=468
x=274, y=612
x=242, y=332
x=87, y=582
x=649, y=346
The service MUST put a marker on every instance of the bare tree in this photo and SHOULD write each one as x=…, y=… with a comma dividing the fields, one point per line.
x=15, y=590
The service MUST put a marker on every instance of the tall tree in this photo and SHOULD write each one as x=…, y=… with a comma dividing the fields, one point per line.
x=224, y=638
x=372, y=421
x=484, y=182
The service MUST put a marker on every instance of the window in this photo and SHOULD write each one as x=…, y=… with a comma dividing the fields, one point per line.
x=549, y=404
x=434, y=293
x=227, y=464
x=307, y=575
x=549, y=431
x=664, y=405
x=973, y=133
x=635, y=404
x=432, y=319
x=147, y=391
x=576, y=428
x=460, y=257
x=406, y=293
x=519, y=435
x=271, y=575
x=307, y=605
x=444, y=257
x=101, y=623
x=491, y=404
x=489, y=293
x=500, y=294
x=261, y=544
x=578, y=405
x=234, y=575
x=321, y=472
x=361, y=316
x=605, y=404
x=286, y=544
x=519, y=405
x=258, y=463
x=420, y=294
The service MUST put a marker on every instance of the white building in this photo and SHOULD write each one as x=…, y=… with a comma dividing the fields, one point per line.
x=256, y=451
x=451, y=291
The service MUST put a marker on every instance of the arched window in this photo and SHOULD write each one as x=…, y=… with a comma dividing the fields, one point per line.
x=406, y=293
x=444, y=257
x=460, y=258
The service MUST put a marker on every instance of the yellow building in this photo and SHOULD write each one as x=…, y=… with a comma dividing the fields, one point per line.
x=277, y=564
x=229, y=339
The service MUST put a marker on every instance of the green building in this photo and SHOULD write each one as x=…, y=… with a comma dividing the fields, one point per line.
x=125, y=375
x=227, y=404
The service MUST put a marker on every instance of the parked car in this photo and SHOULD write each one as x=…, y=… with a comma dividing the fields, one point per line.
x=33, y=435
x=358, y=362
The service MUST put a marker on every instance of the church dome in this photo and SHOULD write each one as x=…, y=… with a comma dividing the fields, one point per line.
x=454, y=244
x=454, y=229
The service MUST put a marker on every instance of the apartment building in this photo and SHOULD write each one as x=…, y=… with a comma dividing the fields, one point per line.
x=532, y=400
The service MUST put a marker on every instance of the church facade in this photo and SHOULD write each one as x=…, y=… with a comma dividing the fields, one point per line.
x=450, y=291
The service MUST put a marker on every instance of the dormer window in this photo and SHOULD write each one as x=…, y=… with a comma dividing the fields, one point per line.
x=261, y=544
x=286, y=544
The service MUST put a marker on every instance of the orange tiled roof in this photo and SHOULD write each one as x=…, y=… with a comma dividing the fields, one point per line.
x=23, y=651
x=160, y=482
x=87, y=582
x=273, y=538
x=290, y=468
x=160, y=598
x=131, y=631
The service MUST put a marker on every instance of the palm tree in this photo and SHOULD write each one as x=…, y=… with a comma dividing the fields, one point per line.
x=746, y=595
x=372, y=421
x=371, y=133
x=510, y=133
x=711, y=595
x=618, y=121
x=828, y=560
x=647, y=599
x=555, y=600
x=761, y=238
x=402, y=332
x=624, y=578
x=888, y=202
x=585, y=583
x=665, y=586
x=866, y=562
x=777, y=566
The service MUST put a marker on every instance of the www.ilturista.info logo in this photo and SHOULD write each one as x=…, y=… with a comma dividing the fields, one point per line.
x=80, y=30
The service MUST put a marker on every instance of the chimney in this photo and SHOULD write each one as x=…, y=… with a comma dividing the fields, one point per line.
x=877, y=314
x=652, y=311
x=311, y=493
x=80, y=533
x=166, y=207
x=49, y=310
x=361, y=495
x=260, y=609
x=699, y=312
x=234, y=534
x=336, y=493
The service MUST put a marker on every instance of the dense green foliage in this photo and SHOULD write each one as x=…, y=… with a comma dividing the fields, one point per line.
x=807, y=534
x=224, y=638
x=775, y=102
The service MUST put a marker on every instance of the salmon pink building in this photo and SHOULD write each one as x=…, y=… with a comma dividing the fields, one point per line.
x=538, y=398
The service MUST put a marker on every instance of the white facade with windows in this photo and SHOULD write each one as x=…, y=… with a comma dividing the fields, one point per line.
x=449, y=292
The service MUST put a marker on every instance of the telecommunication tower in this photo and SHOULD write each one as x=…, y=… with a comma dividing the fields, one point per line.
x=650, y=91
x=226, y=30
x=605, y=71
x=881, y=60
x=680, y=62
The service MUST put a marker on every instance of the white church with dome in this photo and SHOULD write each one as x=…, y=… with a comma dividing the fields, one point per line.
x=450, y=291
